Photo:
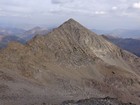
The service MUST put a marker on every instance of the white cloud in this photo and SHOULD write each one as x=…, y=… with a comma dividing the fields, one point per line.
x=136, y=5
x=114, y=8
x=100, y=12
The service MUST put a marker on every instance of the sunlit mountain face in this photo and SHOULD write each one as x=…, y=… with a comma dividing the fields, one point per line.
x=67, y=63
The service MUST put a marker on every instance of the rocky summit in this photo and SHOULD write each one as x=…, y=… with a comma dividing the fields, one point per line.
x=68, y=63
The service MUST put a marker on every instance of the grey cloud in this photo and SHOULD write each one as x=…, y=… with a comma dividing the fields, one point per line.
x=83, y=10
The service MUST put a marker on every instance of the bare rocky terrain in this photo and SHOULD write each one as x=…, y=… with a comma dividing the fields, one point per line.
x=68, y=63
x=97, y=101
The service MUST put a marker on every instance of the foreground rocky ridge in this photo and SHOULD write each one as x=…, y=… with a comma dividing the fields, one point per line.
x=69, y=63
x=97, y=101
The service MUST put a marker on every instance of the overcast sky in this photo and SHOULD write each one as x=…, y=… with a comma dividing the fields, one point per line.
x=97, y=14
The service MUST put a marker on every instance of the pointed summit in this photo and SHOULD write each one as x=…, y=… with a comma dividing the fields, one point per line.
x=71, y=23
x=71, y=20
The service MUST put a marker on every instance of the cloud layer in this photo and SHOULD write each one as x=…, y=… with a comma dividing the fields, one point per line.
x=101, y=12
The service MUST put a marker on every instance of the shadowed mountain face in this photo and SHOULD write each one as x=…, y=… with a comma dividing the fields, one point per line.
x=69, y=63
x=129, y=44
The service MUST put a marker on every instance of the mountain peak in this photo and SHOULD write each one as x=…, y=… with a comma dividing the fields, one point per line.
x=71, y=20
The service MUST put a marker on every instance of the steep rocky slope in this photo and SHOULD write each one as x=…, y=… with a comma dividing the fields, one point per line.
x=69, y=63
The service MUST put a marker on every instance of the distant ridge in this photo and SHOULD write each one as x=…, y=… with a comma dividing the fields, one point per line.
x=122, y=33
x=129, y=44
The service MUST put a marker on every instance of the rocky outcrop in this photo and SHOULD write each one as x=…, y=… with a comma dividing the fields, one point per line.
x=97, y=101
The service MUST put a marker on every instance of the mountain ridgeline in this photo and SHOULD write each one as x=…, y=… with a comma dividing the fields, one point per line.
x=68, y=63
x=8, y=35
